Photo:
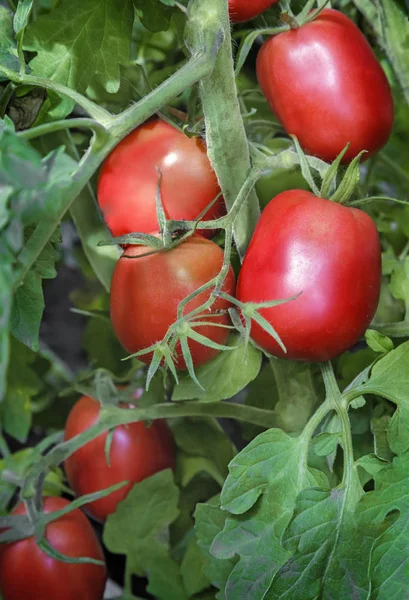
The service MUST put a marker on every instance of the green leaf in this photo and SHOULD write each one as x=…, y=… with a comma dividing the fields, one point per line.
x=222, y=377
x=23, y=384
x=255, y=538
x=209, y=521
x=28, y=301
x=399, y=283
x=326, y=443
x=154, y=15
x=145, y=541
x=262, y=464
x=22, y=15
x=324, y=562
x=389, y=377
x=381, y=431
x=204, y=438
x=378, y=342
x=395, y=37
x=6, y=282
x=195, y=581
x=383, y=515
x=8, y=46
x=81, y=43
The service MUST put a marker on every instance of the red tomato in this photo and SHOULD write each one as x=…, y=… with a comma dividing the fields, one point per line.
x=26, y=572
x=330, y=253
x=128, y=179
x=146, y=292
x=244, y=10
x=326, y=86
x=137, y=451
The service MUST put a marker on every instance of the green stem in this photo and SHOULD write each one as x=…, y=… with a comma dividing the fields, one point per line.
x=112, y=416
x=200, y=65
x=340, y=405
x=47, y=128
x=12, y=5
x=96, y=112
x=331, y=386
x=225, y=133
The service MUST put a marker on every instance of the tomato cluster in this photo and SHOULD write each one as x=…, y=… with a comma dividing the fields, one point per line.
x=325, y=85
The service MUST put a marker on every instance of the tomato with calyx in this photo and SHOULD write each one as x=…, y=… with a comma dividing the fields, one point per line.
x=244, y=10
x=327, y=253
x=129, y=178
x=26, y=572
x=325, y=85
x=146, y=292
x=136, y=452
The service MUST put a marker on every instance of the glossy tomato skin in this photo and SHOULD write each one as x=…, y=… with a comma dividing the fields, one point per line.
x=328, y=252
x=129, y=178
x=326, y=86
x=28, y=573
x=244, y=10
x=146, y=292
x=137, y=452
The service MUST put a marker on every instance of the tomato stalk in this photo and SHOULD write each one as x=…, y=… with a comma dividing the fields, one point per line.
x=225, y=134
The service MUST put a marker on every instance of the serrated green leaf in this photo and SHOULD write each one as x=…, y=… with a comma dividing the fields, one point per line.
x=209, y=521
x=270, y=458
x=145, y=541
x=222, y=377
x=389, y=376
x=80, y=43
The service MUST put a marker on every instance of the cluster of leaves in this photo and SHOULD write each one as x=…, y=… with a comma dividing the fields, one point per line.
x=297, y=513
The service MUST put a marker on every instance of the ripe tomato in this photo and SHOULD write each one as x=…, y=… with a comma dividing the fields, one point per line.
x=146, y=292
x=136, y=452
x=244, y=10
x=129, y=178
x=326, y=86
x=330, y=253
x=27, y=572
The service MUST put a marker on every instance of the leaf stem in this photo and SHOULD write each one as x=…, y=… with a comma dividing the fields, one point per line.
x=112, y=416
x=46, y=128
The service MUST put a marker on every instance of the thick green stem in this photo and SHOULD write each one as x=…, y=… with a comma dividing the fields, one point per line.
x=111, y=417
x=225, y=133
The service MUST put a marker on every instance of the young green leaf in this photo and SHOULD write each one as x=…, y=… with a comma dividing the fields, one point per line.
x=81, y=43
x=222, y=377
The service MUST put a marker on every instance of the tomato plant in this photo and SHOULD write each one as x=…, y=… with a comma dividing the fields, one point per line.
x=146, y=292
x=328, y=254
x=27, y=572
x=136, y=452
x=326, y=86
x=240, y=10
x=151, y=154
x=129, y=179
